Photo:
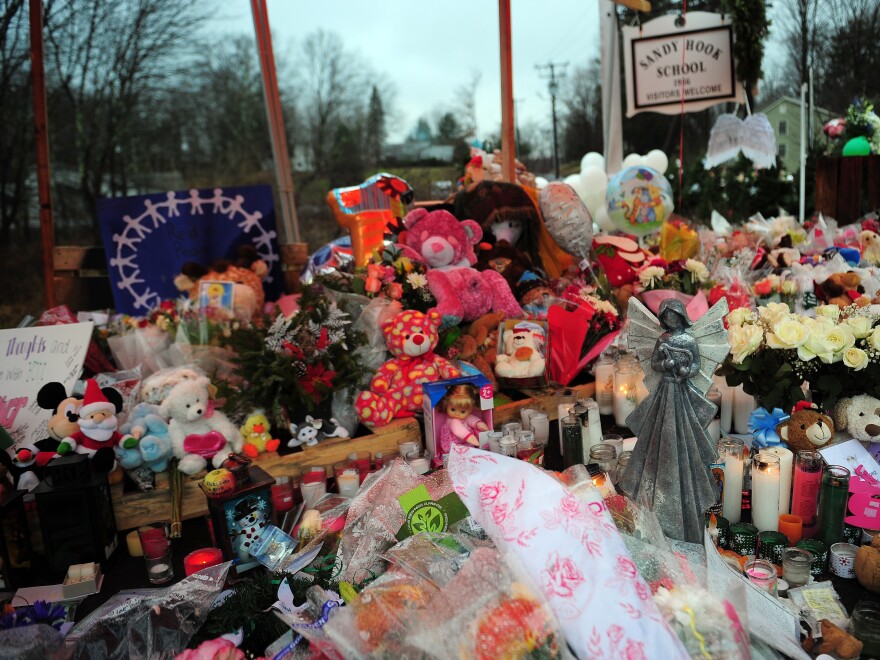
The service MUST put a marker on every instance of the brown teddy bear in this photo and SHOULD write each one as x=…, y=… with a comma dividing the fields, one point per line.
x=835, y=640
x=807, y=429
x=844, y=289
x=478, y=345
x=502, y=257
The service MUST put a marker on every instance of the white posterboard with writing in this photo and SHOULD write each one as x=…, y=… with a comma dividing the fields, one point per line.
x=672, y=69
x=30, y=358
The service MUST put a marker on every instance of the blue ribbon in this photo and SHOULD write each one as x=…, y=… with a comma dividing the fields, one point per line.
x=762, y=425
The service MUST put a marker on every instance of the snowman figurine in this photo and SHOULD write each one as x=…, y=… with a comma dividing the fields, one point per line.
x=250, y=519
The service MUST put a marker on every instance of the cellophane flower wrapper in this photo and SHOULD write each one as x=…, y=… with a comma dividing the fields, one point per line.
x=375, y=516
x=36, y=642
x=570, y=546
x=157, y=625
x=149, y=348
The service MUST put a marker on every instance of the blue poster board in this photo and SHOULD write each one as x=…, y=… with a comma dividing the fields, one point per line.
x=148, y=238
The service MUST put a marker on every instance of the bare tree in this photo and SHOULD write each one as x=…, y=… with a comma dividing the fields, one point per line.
x=853, y=59
x=466, y=105
x=582, y=111
x=805, y=28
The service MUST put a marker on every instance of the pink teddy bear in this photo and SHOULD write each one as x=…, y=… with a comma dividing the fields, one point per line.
x=446, y=245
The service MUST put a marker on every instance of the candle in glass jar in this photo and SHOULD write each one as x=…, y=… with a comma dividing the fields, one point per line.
x=348, y=481
x=833, y=495
x=731, y=452
x=604, y=372
x=805, y=492
x=566, y=400
x=525, y=418
x=593, y=423
x=743, y=405
x=199, y=559
x=726, y=413
x=540, y=427
x=572, y=441
x=404, y=447
x=765, y=492
x=762, y=574
x=786, y=460
x=625, y=391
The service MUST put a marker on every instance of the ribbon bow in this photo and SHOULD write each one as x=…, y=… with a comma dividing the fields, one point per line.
x=763, y=423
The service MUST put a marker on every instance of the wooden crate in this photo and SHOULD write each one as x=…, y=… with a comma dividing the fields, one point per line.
x=135, y=508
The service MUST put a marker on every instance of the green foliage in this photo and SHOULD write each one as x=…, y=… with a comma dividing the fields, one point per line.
x=750, y=28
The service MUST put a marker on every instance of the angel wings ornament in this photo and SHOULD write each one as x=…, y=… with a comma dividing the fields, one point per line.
x=669, y=467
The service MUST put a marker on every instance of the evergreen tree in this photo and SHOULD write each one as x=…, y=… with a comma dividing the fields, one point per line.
x=375, y=130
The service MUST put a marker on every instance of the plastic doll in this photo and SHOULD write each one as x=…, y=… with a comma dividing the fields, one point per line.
x=462, y=426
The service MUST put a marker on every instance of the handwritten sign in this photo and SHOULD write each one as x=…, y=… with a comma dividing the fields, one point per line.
x=671, y=68
x=148, y=238
x=32, y=357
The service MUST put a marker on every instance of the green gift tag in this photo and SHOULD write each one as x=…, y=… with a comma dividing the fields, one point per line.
x=426, y=515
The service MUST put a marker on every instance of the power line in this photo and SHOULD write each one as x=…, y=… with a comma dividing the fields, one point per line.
x=549, y=73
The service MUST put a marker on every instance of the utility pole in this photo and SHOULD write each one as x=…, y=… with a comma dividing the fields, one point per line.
x=548, y=72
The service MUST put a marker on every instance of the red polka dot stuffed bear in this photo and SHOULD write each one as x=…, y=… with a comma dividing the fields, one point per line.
x=396, y=389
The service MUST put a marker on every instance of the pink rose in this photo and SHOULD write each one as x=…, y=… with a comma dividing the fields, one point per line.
x=634, y=651
x=395, y=291
x=615, y=634
x=499, y=514
x=491, y=492
x=213, y=649
x=570, y=505
x=372, y=285
x=562, y=577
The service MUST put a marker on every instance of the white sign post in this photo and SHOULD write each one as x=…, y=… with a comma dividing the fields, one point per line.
x=30, y=358
x=666, y=63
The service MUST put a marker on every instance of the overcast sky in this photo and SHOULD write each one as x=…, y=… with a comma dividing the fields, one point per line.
x=430, y=47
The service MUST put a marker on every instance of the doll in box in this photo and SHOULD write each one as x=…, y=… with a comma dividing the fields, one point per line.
x=462, y=425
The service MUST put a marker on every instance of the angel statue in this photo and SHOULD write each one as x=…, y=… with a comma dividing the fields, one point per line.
x=669, y=467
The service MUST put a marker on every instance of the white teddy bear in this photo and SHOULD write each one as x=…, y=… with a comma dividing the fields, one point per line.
x=522, y=357
x=198, y=432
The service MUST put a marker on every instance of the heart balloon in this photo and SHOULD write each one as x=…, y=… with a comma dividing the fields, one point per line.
x=639, y=200
x=567, y=218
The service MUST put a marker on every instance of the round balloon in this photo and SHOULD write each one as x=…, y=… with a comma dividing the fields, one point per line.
x=592, y=159
x=566, y=218
x=858, y=146
x=639, y=200
x=657, y=160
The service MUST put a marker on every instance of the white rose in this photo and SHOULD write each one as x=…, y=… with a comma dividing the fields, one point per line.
x=860, y=326
x=855, y=358
x=816, y=345
x=787, y=333
x=840, y=338
x=828, y=311
x=787, y=287
x=874, y=339
x=773, y=312
x=738, y=316
x=744, y=340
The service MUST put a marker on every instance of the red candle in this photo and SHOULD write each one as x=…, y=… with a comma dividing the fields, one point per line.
x=315, y=475
x=805, y=493
x=199, y=559
x=282, y=495
x=153, y=540
x=362, y=460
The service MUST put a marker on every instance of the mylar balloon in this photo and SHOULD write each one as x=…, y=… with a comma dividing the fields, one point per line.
x=639, y=199
x=566, y=218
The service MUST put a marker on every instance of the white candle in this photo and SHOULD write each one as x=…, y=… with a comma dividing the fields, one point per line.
x=733, y=487
x=605, y=386
x=348, y=482
x=525, y=416
x=312, y=492
x=406, y=447
x=765, y=492
x=159, y=569
x=540, y=427
x=420, y=465
x=726, y=404
x=714, y=428
x=743, y=405
x=624, y=403
x=786, y=465
x=594, y=423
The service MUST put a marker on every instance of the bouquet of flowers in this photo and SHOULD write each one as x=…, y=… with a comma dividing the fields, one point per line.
x=292, y=368
x=389, y=274
x=775, y=289
x=687, y=276
x=862, y=121
x=773, y=351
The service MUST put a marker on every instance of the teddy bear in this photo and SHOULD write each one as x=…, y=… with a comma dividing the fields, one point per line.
x=860, y=417
x=439, y=240
x=396, y=389
x=522, y=357
x=155, y=388
x=845, y=289
x=870, y=242
x=256, y=435
x=507, y=260
x=154, y=444
x=806, y=429
x=198, y=433
x=835, y=641
x=246, y=274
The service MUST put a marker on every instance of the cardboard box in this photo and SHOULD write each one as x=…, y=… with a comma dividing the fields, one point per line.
x=74, y=587
x=435, y=418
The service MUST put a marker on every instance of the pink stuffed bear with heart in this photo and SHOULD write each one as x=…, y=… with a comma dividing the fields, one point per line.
x=396, y=389
x=446, y=245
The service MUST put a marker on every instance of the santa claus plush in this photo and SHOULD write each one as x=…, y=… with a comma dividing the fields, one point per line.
x=98, y=435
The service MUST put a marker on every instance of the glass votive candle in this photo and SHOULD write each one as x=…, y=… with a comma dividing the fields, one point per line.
x=796, y=565
x=866, y=627
x=572, y=441
x=507, y=445
x=419, y=460
x=282, y=494
x=154, y=539
x=762, y=574
x=199, y=559
x=495, y=441
x=842, y=560
x=525, y=418
x=160, y=569
x=314, y=474
x=348, y=478
x=820, y=554
x=792, y=526
x=510, y=428
x=605, y=457
x=406, y=446
x=385, y=458
x=363, y=461
x=540, y=427
x=314, y=486
x=622, y=462
x=527, y=449
x=615, y=441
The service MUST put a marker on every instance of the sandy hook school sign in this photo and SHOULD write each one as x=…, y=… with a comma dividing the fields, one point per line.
x=664, y=61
